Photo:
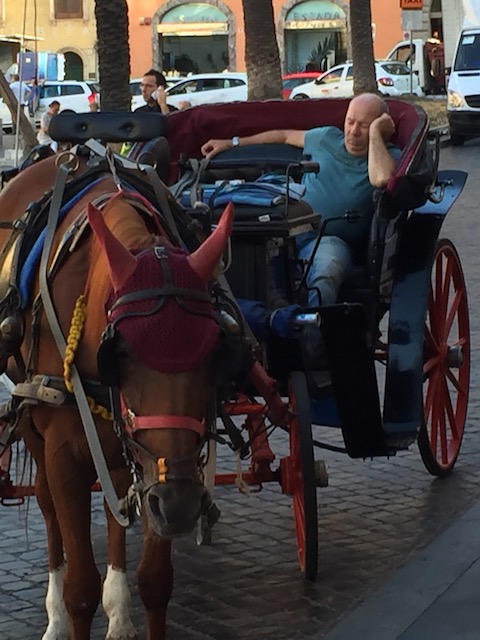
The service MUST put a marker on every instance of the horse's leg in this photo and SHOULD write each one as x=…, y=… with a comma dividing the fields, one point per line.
x=155, y=582
x=116, y=595
x=69, y=481
x=58, y=623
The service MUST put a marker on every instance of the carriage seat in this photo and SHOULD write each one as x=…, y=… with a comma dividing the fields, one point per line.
x=407, y=189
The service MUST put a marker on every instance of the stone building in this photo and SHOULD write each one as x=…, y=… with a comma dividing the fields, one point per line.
x=209, y=35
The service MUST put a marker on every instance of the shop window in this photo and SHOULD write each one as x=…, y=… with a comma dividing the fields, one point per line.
x=68, y=9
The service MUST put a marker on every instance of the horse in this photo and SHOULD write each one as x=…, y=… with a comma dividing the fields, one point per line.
x=122, y=283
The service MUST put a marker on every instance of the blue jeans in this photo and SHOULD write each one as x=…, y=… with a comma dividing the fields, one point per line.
x=330, y=267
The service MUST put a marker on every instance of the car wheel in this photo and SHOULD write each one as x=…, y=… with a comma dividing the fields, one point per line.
x=456, y=140
x=300, y=96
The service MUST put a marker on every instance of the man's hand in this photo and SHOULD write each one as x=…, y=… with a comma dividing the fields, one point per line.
x=214, y=147
x=161, y=98
x=383, y=126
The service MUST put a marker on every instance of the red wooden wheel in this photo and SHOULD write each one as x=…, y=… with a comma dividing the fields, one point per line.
x=446, y=363
x=298, y=476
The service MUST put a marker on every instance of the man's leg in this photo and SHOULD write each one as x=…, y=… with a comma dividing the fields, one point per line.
x=331, y=265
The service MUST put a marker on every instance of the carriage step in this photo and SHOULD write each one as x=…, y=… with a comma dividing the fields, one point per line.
x=321, y=473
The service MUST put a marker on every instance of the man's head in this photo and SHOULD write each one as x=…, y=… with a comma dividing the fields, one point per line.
x=15, y=77
x=361, y=112
x=151, y=80
x=54, y=106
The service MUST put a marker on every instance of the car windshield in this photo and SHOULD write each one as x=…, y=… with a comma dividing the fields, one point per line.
x=468, y=55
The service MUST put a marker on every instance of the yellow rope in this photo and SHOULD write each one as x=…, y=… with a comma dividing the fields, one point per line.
x=73, y=340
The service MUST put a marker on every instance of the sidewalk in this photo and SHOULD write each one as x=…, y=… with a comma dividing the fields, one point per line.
x=434, y=597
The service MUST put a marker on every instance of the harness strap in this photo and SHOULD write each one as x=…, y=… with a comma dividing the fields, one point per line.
x=161, y=194
x=163, y=292
x=88, y=422
x=166, y=422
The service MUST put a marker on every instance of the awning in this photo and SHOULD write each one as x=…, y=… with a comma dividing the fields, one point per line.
x=193, y=29
x=194, y=19
x=316, y=14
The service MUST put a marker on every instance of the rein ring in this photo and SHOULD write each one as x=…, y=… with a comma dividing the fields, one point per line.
x=67, y=158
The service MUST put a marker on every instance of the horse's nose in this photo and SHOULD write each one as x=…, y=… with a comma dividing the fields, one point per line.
x=173, y=508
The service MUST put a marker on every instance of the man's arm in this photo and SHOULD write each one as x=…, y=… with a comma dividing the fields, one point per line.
x=162, y=100
x=279, y=136
x=381, y=165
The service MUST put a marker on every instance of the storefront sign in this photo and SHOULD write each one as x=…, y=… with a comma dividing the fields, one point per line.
x=315, y=24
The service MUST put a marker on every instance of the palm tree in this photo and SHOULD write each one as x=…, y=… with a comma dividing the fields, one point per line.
x=261, y=51
x=364, y=79
x=113, y=54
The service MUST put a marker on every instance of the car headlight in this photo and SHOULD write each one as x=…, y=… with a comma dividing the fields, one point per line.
x=455, y=100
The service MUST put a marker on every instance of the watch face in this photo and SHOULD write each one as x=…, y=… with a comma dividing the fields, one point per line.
x=235, y=141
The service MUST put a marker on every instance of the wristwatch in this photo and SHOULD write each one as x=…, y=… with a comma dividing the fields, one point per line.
x=235, y=141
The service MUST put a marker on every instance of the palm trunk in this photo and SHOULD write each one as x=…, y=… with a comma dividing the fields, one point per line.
x=261, y=51
x=113, y=54
x=364, y=79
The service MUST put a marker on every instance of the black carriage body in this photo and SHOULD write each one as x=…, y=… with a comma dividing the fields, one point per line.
x=394, y=275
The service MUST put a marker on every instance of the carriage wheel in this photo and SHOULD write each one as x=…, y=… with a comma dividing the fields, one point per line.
x=303, y=483
x=446, y=363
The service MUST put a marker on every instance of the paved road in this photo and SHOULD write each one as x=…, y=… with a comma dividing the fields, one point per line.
x=374, y=516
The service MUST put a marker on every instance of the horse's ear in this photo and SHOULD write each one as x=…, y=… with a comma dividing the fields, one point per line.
x=121, y=262
x=204, y=260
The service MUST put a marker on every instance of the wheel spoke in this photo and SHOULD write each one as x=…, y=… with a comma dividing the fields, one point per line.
x=431, y=342
x=450, y=412
x=431, y=391
x=431, y=364
x=452, y=314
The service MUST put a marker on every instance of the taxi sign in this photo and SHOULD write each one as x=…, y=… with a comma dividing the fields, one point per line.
x=411, y=4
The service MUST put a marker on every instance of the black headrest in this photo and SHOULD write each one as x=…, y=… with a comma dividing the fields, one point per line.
x=114, y=126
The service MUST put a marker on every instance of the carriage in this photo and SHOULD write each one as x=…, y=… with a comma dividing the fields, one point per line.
x=397, y=342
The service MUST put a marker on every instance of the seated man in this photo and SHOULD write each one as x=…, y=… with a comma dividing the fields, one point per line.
x=352, y=163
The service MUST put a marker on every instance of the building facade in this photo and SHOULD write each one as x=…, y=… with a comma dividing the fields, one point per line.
x=54, y=26
x=209, y=35
x=183, y=36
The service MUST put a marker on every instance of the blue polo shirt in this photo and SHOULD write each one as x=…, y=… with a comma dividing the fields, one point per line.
x=341, y=185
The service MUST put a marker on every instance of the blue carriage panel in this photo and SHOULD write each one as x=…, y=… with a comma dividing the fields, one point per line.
x=354, y=379
x=403, y=405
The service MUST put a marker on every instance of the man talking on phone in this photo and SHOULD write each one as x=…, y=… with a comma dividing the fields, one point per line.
x=153, y=87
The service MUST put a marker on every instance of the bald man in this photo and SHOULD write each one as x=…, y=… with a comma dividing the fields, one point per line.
x=353, y=162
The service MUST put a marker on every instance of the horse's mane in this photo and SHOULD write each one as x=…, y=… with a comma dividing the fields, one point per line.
x=129, y=227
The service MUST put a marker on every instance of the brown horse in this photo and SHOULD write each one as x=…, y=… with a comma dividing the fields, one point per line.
x=164, y=329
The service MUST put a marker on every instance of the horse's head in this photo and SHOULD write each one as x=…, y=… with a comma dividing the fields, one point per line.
x=162, y=330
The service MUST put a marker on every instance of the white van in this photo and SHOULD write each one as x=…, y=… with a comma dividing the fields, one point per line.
x=464, y=88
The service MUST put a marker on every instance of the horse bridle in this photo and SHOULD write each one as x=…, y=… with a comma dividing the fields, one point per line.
x=131, y=422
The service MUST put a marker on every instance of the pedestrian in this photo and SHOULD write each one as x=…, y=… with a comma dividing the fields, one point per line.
x=33, y=97
x=153, y=88
x=43, y=135
x=94, y=106
x=21, y=91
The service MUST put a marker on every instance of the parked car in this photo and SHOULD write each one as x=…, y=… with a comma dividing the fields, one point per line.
x=293, y=80
x=74, y=96
x=208, y=88
x=393, y=79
